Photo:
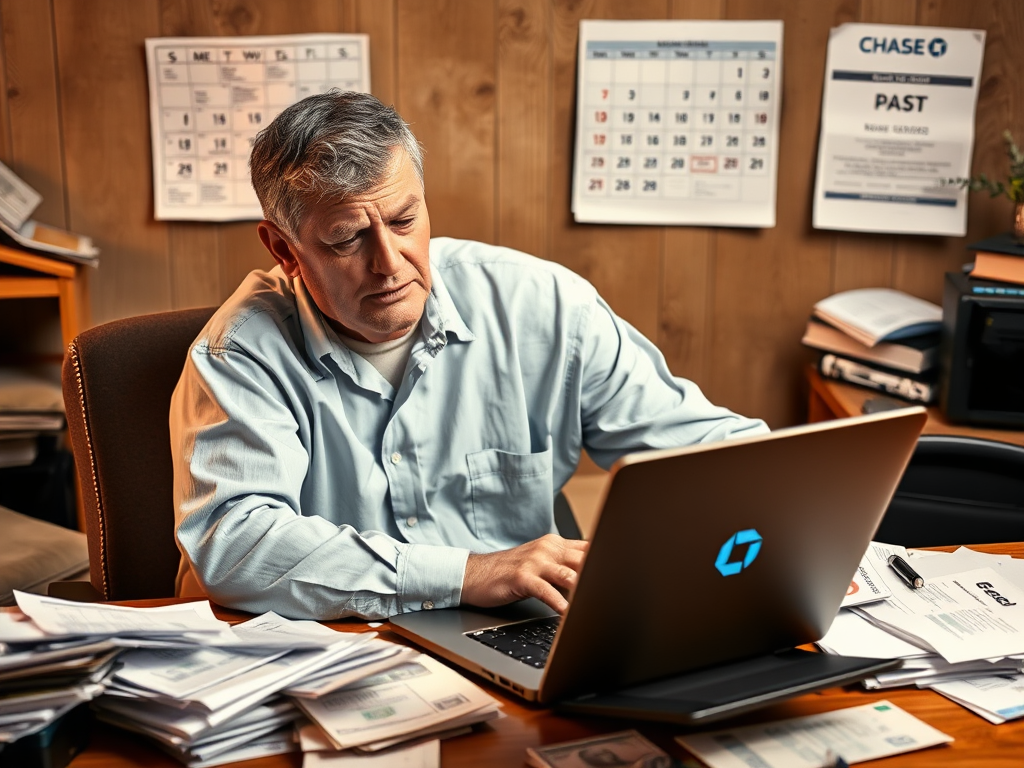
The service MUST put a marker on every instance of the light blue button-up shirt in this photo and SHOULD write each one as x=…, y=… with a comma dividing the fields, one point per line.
x=306, y=484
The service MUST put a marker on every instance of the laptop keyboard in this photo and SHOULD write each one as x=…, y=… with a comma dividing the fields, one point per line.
x=527, y=641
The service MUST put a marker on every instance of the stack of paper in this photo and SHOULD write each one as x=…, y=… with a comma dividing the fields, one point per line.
x=42, y=678
x=210, y=705
x=55, y=655
x=420, y=699
x=318, y=753
x=31, y=404
x=209, y=693
x=206, y=692
x=961, y=634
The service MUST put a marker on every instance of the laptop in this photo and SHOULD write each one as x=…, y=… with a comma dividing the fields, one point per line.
x=708, y=566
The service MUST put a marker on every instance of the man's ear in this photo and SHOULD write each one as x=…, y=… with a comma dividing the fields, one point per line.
x=280, y=247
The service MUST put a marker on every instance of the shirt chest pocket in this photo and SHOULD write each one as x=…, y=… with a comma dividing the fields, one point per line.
x=512, y=496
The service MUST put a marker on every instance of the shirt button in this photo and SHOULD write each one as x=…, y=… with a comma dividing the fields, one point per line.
x=396, y=457
x=428, y=605
x=411, y=522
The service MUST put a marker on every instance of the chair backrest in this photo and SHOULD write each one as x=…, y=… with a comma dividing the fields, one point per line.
x=958, y=490
x=118, y=379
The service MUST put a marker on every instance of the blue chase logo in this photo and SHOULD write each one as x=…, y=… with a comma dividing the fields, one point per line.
x=724, y=563
x=907, y=46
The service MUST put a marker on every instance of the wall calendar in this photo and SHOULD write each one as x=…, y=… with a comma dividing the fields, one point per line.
x=677, y=122
x=210, y=96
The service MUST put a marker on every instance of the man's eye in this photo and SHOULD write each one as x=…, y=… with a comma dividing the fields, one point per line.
x=403, y=223
x=346, y=245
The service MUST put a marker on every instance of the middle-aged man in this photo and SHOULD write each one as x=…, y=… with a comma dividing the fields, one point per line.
x=380, y=423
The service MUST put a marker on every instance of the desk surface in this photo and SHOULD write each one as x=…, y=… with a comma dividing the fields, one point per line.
x=504, y=742
x=831, y=399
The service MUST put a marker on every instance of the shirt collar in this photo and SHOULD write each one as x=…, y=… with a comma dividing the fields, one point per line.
x=441, y=317
x=320, y=338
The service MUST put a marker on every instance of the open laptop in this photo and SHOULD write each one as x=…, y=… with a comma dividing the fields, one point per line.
x=708, y=566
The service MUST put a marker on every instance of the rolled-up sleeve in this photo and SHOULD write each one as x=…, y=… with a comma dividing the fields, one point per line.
x=240, y=464
x=630, y=401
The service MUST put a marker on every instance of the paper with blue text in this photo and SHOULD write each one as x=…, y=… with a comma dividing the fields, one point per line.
x=897, y=117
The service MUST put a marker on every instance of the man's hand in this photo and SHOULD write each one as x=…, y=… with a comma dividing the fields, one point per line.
x=539, y=568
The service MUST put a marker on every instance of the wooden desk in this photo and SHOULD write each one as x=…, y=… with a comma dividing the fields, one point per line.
x=504, y=742
x=830, y=399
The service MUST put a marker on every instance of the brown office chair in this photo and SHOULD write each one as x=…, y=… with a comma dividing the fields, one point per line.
x=118, y=379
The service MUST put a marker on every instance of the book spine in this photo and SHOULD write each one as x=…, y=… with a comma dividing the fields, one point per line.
x=839, y=368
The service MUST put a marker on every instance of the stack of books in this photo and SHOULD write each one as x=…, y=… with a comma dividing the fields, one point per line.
x=999, y=258
x=879, y=338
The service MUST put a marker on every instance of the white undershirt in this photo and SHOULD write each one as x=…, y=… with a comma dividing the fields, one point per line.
x=388, y=357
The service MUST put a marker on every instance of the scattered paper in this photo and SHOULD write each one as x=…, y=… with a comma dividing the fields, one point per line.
x=997, y=699
x=69, y=619
x=426, y=754
x=856, y=734
x=179, y=673
x=966, y=616
x=853, y=635
x=867, y=585
x=405, y=701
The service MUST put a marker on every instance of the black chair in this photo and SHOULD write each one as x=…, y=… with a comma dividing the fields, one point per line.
x=958, y=490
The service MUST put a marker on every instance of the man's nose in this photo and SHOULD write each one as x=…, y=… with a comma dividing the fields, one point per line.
x=387, y=258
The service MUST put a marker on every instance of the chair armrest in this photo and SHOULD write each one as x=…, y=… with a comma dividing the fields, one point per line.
x=77, y=591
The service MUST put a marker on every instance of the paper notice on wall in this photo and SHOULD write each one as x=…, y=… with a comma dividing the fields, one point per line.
x=897, y=118
x=210, y=96
x=677, y=122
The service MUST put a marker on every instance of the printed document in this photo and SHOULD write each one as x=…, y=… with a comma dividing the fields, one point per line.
x=856, y=734
x=17, y=199
x=867, y=585
x=852, y=635
x=897, y=118
x=997, y=699
x=966, y=616
x=424, y=755
x=64, y=618
x=412, y=698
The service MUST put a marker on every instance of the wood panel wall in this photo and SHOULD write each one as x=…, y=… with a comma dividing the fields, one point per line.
x=489, y=86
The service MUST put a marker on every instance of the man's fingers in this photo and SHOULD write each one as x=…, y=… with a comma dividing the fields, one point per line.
x=548, y=595
x=576, y=544
x=561, y=576
x=537, y=569
x=574, y=559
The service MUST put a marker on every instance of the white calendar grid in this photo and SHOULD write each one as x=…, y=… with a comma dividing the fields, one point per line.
x=209, y=97
x=677, y=131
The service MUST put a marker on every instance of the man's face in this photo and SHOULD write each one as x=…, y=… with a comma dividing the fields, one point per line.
x=366, y=259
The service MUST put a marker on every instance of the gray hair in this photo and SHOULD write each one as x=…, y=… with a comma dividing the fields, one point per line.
x=331, y=145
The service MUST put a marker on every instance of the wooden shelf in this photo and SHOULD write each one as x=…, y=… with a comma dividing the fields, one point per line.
x=835, y=400
x=50, y=278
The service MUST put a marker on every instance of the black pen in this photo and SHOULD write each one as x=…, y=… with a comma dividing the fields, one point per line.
x=910, y=577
